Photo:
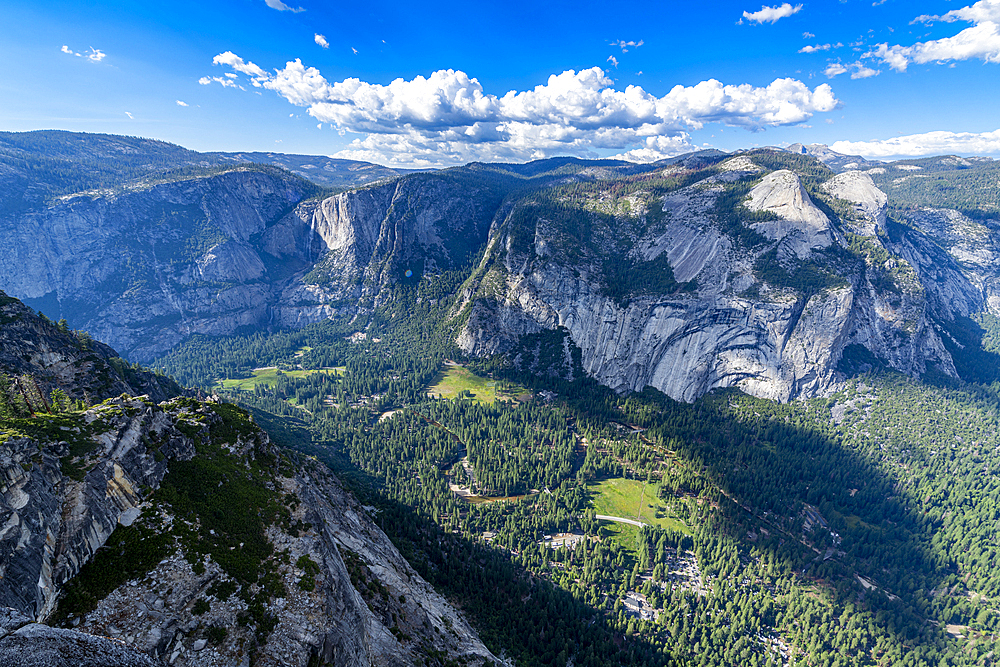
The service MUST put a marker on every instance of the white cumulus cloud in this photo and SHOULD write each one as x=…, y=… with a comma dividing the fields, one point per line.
x=448, y=117
x=321, y=40
x=862, y=71
x=980, y=41
x=234, y=61
x=181, y=104
x=658, y=148
x=834, y=69
x=771, y=14
x=928, y=143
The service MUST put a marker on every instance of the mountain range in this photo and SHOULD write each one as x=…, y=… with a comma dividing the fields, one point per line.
x=718, y=409
x=755, y=270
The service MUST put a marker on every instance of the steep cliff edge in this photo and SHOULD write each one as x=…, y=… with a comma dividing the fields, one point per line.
x=55, y=357
x=778, y=279
x=178, y=530
x=756, y=270
x=144, y=267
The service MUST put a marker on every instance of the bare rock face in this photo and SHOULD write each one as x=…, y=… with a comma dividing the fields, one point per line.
x=734, y=328
x=871, y=203
x=336, y=589
x=53, y=523
x=372, y=237
x=230, y=260
x=37, y=645
x=957, y=260
x=805, y=226
x=144, y=267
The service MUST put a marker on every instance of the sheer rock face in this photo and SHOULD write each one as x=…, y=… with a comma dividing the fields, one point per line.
x=148, y=266
x=734, y=329
x=230, y=260
x=957, y=260
x=370, y=238
x=51, y=525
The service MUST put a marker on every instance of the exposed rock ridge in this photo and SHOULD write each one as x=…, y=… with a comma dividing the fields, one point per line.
x=71, y=361
x=27, y=644
x=411, y=601
x=52, y=523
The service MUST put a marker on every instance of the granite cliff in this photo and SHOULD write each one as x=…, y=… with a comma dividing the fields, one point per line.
x=769, y=280
x=755, y=270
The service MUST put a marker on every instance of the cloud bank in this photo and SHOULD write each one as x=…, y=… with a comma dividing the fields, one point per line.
x=448, y=118
x=928, y=143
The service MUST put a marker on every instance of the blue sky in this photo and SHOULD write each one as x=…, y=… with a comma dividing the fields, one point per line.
x=433, y=84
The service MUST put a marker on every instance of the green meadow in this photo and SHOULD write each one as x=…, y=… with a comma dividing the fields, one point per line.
x=455, y=379
x=626, y=498
x=269, y=377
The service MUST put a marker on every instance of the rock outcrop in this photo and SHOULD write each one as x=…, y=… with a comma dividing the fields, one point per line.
x=26, y=644
x=59, y=506
x=798, y=220
x=56, y=357
x=870, y=203
x=53, y=523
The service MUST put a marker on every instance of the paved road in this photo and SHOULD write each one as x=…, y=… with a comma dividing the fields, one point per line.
x=619, y=519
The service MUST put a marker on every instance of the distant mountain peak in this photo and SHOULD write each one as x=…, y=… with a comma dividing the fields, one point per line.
x=831, y=158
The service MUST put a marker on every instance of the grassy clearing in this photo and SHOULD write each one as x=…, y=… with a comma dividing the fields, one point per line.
x=622, y=498
x=269, y=377
x=455, y=379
